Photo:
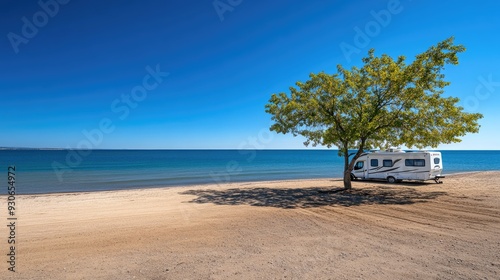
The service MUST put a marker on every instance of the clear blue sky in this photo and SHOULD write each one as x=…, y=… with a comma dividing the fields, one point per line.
x=71, y=71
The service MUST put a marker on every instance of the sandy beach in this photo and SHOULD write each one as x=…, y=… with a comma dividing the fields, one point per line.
x=263, y=230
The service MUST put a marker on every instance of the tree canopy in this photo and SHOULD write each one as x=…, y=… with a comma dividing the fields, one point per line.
x=386, y=102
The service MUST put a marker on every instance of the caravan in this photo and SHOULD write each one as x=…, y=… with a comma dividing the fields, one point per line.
x=395, y=165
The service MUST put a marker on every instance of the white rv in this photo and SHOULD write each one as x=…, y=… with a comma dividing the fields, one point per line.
x=395, y=165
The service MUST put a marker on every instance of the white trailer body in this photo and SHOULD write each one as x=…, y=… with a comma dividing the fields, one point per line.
x=396, y=165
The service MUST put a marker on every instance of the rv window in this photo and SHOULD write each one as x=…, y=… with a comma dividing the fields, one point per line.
x=387, y=162
x=374, y=162
x=436, y=160
x=358, y=165
x=419, y=162
x=414, y=162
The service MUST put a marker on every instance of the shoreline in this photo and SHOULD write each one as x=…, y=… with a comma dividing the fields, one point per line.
x=180, y=187
x=225, y=184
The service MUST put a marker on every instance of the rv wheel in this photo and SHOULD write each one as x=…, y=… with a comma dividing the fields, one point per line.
x=391, y=180
x=353, y=178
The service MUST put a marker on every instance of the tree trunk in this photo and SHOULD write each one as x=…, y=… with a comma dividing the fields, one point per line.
x=349, y=165
x=347, y=180
x=347, y=172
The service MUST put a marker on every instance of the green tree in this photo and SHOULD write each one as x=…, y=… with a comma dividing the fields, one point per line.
x=384, y=103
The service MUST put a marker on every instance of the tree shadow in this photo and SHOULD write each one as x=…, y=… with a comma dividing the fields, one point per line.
x=289, y=198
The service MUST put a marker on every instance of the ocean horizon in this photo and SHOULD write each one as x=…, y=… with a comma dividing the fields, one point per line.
x=61, y=170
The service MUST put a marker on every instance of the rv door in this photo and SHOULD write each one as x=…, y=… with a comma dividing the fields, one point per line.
x=436, y=163
x=360, y=169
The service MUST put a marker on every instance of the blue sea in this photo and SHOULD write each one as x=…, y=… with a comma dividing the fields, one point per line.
x=50, y=171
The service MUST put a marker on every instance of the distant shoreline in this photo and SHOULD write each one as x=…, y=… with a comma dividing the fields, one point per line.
x=224, y=149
